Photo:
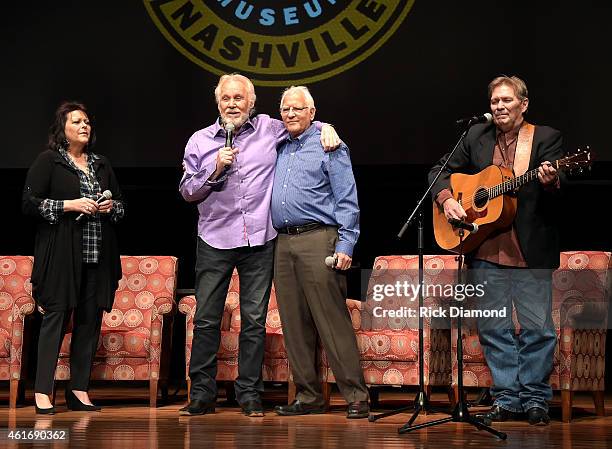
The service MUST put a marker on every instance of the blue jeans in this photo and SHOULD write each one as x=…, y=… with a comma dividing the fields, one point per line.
x=214, y=269
x=520, y=364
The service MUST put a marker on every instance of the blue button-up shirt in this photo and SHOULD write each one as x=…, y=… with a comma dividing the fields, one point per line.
x=313, y=186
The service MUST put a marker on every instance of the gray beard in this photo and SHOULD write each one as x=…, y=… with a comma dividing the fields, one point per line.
x=236, y=122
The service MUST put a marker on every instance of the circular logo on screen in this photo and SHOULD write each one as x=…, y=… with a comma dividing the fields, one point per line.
x=278, y=42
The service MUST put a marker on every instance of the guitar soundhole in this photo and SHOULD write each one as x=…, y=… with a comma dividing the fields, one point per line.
x=481, y=197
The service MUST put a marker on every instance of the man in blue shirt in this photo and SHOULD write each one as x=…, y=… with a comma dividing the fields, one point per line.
x=315, y=211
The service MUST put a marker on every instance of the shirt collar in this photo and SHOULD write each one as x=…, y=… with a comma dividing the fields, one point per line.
x=512, y=134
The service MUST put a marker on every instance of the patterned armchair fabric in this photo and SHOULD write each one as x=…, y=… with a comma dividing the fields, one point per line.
x=389, y=346
x=15, y=303
x=135, y=340
x=581, y=289
x=275, y=367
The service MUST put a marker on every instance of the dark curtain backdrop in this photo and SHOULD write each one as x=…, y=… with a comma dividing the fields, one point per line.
x=396, y=107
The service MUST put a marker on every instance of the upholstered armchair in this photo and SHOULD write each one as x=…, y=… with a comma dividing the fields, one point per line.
x=581, y=290
x=389, y=346
x=135, y=340
x=275, y=366
x=15, y=303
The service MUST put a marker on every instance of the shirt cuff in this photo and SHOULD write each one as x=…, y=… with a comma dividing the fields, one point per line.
x=442, y=196
x=345, y=248
x=51, y=210
x=221, y=179
x=117, y=211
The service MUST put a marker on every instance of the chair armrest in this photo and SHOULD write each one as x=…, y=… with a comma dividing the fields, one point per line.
x=164, y=305
x=25, y=305
x=355, y=308
x=187, y=305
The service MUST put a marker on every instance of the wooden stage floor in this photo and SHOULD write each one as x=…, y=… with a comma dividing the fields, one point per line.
x=126, y=421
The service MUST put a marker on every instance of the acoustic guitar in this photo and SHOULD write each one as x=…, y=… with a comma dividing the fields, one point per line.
x=489, y=200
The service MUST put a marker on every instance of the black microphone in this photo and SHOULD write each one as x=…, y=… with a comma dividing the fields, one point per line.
x=229, y=134
x=472, y=227
x=331, y=261
x=106, y=195
x=469, y=121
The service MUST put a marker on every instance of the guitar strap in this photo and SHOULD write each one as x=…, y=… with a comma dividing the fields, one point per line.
x=522, y=154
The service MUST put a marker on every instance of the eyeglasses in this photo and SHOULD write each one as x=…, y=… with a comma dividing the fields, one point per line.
x=295, y=110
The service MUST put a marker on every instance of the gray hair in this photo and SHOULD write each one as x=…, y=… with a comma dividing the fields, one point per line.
x=240, y=78
x=295, y=89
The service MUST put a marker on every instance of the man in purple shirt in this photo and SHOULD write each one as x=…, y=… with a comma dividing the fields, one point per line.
x=232, y=187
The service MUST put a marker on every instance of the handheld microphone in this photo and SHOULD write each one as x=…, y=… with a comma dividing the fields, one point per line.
x=472, y=227
x=331, y=261
x=229, y=134
x=469, y=121
x=106, y=195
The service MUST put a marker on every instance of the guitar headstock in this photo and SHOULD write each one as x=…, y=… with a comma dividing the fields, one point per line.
x=576, y=162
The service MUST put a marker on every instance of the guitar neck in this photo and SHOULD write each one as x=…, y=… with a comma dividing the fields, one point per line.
x=516, y=183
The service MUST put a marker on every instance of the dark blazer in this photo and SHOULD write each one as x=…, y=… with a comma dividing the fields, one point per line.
x=536, y=221
x=58, y=254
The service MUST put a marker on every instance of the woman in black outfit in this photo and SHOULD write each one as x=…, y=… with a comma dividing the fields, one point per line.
x=76, y=262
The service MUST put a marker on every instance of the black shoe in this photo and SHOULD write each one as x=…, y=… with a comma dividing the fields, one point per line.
x=45, y=411
x=497, y=414
x=75, y=404
x=359, y=409
x=252, y=408
x=197, y=407
x=298, y=408
x=537, y=416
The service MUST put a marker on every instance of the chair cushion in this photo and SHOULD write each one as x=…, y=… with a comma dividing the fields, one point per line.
x=388, y=345
x=134, y=343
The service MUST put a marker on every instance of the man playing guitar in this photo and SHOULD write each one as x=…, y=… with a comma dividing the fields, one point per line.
x=515, y=262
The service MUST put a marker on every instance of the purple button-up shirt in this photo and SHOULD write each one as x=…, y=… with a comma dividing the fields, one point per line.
x=234, y=209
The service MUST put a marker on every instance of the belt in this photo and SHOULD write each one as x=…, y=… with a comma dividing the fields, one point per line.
x=299, y=229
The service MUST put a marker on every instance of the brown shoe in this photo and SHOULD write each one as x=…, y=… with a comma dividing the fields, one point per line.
x=358, y=410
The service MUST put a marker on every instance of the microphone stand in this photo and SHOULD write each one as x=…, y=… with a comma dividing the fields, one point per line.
x=460, y=412
x=421, y=401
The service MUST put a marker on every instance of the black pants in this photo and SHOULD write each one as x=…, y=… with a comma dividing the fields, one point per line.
x=213, y=273
x=85, y=333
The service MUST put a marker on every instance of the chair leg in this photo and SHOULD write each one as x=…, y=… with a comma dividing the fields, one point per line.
x=326, y=388
x=290, y=392
x=598, y=400
x=456, y=394
x=374, y=394
x=566, y=405
x=153, y=383
x=188, y=390
x=452, y=395
x=230, y=393
x=14, y=391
